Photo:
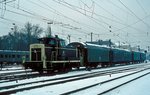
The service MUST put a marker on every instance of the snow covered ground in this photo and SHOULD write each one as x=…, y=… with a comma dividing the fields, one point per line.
x=137, y=87
x=56, y=76
x=11, y=68
x=61, y=88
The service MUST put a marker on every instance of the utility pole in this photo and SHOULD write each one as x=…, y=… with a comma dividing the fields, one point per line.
x=119, y=44
x=49, y=30
x=110, y=43
x=69, y=38
x=91, y=36
x=138, y=47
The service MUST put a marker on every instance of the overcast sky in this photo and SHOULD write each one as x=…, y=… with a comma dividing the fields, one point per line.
x=125, y=21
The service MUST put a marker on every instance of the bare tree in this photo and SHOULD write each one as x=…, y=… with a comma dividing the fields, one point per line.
x=21, y=39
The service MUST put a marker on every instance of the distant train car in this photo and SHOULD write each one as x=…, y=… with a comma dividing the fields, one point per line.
x=90, y=54
x=11, y=56
x=143, y=57
x=136, y=56
x=148, y=56
x=121, y=56
x=93, y=55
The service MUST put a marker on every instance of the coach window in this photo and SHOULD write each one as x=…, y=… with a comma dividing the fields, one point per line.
x=13, y=56
x=9, y=56
x=6, y=56
x=1, y=56
x=27, y=56
x=18, y=56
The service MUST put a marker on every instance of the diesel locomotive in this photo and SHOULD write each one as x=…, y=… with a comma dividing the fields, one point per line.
x=51, y=55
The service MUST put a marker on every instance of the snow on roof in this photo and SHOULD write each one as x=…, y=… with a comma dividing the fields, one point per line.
x=12, y=51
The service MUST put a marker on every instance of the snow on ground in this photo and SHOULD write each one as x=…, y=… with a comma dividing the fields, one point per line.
x=57, y=89
x=49, y=77
x=137, y=87
x=59, y=75
x=61, y=88
x=100, y=88
x=11, y=68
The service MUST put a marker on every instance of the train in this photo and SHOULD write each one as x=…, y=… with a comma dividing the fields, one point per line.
x=11, y=56
x=51, y=55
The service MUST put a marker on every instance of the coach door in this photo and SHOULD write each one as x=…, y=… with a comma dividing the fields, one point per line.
x=111, y=57
x=83, y=56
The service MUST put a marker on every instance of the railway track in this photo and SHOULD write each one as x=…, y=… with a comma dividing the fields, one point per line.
x=56, y=81
x=17, y=75
x=15, y=72
x=107, y=83
x=23, y=74
x=10, y=69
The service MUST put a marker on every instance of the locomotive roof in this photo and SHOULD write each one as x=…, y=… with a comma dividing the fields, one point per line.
x=86, y=45
x=50, y=37
x=12, y=51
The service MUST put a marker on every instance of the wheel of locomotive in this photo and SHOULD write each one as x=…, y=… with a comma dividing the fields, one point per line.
x=95, y=66
x=112, y=65
x=78, y=68
x=40, y=72
x=25, y=67
x=88, y=68
x=67, y=68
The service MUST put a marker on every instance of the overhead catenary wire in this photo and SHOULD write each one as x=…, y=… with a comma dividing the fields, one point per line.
x=26, y=12
x=141, y=7
x=85, y=29
x=54, y=22
x=78, y=11
x=59, y=13
x=39, y=17
x=118, y=18
x=133, y=13
x=74, y=8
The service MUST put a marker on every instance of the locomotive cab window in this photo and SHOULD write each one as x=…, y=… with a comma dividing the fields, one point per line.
x=62, y=43
x=52, y=42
